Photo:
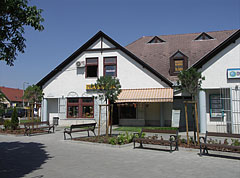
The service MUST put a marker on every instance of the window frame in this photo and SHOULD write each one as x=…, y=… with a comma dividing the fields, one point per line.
x=80, y=105
x=109, y=64
x=175, y=58
x=72, y=104
x=86, y=65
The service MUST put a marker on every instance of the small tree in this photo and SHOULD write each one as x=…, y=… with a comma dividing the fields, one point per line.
x=33, y=94
x=191, y=80
x=14, y=119
x=110, y=87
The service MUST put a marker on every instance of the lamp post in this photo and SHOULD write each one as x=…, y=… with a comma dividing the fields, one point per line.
x=23, y=90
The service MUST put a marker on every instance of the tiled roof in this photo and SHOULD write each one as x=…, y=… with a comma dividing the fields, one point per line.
x=12, y=94
x=158, y=55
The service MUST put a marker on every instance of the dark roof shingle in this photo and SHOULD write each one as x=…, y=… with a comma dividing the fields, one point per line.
x=158, y=55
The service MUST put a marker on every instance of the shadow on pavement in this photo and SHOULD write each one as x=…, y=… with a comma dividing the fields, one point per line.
x=222, y=156
x=18, y=159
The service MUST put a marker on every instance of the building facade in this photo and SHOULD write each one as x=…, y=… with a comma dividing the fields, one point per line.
x=147, y=70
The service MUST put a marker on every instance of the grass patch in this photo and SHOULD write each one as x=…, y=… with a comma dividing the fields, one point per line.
x=27, y=121
x=138, y=129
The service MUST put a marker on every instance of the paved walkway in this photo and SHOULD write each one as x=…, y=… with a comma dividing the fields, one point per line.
x=49, y=156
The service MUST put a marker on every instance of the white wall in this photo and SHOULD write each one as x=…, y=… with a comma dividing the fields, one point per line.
x=71, y=79
x=215, y=70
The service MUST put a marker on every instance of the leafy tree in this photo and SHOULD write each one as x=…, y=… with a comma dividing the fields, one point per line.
x=191, y=80
x=33, y=94
x=111, y=88
x=14, y=16
x=14, y=119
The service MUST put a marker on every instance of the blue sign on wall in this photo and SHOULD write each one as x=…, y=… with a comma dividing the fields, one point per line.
x=233, y=73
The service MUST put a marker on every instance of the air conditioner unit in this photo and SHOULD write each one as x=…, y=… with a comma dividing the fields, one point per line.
x=80, y=63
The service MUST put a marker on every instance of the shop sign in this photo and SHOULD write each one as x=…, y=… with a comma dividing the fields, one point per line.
x=92, y=87
x=233, y=73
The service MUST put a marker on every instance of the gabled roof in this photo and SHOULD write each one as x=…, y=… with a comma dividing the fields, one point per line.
x=12, y=94
x=84, y=47
x=197, y=51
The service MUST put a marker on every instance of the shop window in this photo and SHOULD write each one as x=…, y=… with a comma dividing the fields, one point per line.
x=216, y=107
x=178, y=63
x=87, y=107
x=80, y=108
x=110, y=66
x=128, y=111
x=91, y=67
x=73, y=108
x=204, y=36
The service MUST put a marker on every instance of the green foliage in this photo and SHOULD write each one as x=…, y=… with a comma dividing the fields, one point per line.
x=14, y=119
x=33, y=94
x=14, y=16
x=109, y=86
x=122, y=138
x=235, y=142
x=190, y=80
x=7, y=124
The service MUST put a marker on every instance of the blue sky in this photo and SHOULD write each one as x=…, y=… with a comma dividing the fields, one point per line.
x=70, y=23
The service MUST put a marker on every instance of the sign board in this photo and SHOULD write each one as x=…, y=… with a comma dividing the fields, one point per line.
x=233, y=73
x=175, y=118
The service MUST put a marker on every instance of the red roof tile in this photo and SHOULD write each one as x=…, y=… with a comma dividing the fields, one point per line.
x=12, y=94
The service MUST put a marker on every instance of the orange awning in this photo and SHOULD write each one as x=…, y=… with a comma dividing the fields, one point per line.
x=147, y=95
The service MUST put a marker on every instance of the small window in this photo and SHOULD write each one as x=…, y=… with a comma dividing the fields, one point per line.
x=110, y=66
x=156, y=40
x=216, y=107
x=91, y=67
x=204, y=36
x=178, y=63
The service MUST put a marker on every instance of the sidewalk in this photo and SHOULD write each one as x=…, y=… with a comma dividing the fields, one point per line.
x=49, y=156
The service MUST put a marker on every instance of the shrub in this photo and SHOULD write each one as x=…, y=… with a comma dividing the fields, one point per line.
x=7, y=124
x=235, y=142
x=14, y=119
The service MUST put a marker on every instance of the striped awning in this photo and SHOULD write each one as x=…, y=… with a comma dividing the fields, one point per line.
x=146, y=95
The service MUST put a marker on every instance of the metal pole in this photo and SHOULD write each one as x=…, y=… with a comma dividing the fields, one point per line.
x=23, y=90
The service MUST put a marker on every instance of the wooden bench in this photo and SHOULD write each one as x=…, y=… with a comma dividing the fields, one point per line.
x=204, y=146
x=172, y=141
x=79, y=128
x=30, y=127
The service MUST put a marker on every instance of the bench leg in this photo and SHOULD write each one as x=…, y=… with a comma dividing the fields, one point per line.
x=176, y=148
x=141, y=145
x=94, y=133
x=170, y=147
x=88, y=133
x=200, y=150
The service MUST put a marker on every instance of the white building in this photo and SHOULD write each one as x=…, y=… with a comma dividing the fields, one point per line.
x=66, y=93
x=147, y=70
